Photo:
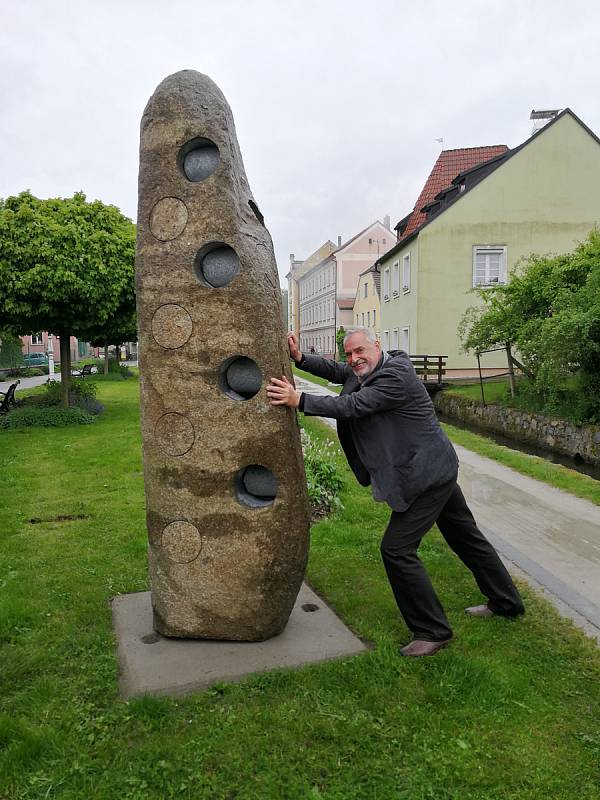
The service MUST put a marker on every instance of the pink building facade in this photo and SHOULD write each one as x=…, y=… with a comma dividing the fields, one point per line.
x=322, y=296
x=38, y=343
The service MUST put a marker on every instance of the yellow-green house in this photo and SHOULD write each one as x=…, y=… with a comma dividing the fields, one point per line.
x=540, y=197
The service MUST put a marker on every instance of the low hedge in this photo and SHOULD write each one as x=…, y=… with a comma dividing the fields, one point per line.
x=45, y=417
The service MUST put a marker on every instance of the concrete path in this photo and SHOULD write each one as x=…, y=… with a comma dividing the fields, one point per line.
x=26, y=383
x=545, y=535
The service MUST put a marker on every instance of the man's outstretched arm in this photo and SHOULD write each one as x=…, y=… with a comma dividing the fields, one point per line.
x=332, y=371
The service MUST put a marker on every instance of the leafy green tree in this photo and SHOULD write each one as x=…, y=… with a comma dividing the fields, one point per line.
x=550, y=312
x=65, y=265
x=10, y=350
x=120, y=327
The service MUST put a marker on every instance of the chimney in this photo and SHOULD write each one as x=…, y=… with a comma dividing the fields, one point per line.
x=386, y=221
x=542, y=117
x=339, y=241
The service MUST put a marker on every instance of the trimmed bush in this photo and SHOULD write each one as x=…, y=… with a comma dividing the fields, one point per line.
x=36, y=416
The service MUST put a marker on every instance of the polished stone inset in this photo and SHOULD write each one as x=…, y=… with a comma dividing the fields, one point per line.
x=216, y=264
x=256, y=486
x=198, y=159
x=181, y=541
x=171, y=326
x=174, y=434
x=240, y=378
x=168, y=218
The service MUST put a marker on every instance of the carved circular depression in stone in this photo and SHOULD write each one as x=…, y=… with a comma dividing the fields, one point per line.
x=256, y=486
x=168, y=218
x=240, y=378
x=216, y=264
x=171, y=326
x=181, y=541
x=198, y=159
x=174, y=434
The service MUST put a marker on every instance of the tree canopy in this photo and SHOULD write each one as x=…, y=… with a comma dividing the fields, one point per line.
x=66, y=266
x=550, y=312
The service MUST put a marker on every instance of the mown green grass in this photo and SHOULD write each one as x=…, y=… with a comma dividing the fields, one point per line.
x=494, y=391
x=510, y=710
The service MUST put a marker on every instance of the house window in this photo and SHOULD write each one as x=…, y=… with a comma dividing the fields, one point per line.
x=386, y=283
x=368, y=319
x=365, y=290
x=489, y=265
x=357, y=319
x=374, y=323
x=396, y=278
x=363, y=319
x=36, y=338
x=386, y=340
x=405, y=344
x=406, y=273
x=395, y=339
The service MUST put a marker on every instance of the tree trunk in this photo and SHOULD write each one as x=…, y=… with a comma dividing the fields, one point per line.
x=118, y=354
x=106, y=358
x=65, y=368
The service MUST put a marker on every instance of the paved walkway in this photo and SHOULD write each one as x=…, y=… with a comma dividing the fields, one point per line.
x=26, y=383
x=545, y=535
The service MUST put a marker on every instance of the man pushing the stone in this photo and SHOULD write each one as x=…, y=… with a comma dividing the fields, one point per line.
x=393, y=441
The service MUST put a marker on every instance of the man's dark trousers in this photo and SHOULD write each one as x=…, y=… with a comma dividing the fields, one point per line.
x=414, y=593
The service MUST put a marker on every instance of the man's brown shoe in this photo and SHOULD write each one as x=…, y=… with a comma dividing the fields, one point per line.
x=479, y=611
x=420, y=647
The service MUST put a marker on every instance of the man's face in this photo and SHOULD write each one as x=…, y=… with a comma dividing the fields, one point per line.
x=361, y=354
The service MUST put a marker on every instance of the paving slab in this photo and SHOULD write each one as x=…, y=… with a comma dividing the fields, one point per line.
x=545, y=535
x=153, y=664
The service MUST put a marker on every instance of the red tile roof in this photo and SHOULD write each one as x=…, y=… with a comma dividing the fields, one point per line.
x=450, y=163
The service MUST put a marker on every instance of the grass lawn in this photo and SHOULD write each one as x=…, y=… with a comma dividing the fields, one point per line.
x=494, y=391
x=510, y=710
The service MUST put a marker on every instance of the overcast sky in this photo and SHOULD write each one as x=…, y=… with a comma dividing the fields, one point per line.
x=337, y=104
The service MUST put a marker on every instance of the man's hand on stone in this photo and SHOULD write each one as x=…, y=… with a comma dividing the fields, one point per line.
x=282, y=393
x=294, y=347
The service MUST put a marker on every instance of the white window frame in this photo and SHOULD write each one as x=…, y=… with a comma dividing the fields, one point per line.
x=386, y=284
x=396, y=279
x=406, y=273
x=368, y=319
x=395, y=342
x=405, y=345
x=36, y=338
x=365, y=289
x=489, y=250
x=386, y=340
x=374, y=322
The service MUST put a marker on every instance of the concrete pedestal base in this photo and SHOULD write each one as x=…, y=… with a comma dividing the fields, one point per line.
x=152, y=664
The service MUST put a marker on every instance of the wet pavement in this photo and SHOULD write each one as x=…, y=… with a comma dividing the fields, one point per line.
x=547, y=536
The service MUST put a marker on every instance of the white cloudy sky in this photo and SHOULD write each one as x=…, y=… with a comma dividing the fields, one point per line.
x=337, y=104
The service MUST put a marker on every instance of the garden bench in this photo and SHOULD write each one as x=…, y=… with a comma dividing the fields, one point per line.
x=8, y=398
x=87, y=369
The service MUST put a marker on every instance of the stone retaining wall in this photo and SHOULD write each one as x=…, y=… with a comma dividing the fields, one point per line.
x=550, y=433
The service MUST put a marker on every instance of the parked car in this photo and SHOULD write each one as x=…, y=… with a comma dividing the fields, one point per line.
x=35, y=359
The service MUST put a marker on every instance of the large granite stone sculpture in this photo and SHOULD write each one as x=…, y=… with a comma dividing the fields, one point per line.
x=227, y=507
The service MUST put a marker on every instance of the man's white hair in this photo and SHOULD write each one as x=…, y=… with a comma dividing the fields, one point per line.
x=369, y=334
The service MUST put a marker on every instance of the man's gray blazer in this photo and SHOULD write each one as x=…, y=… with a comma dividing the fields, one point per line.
x=387, y=427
